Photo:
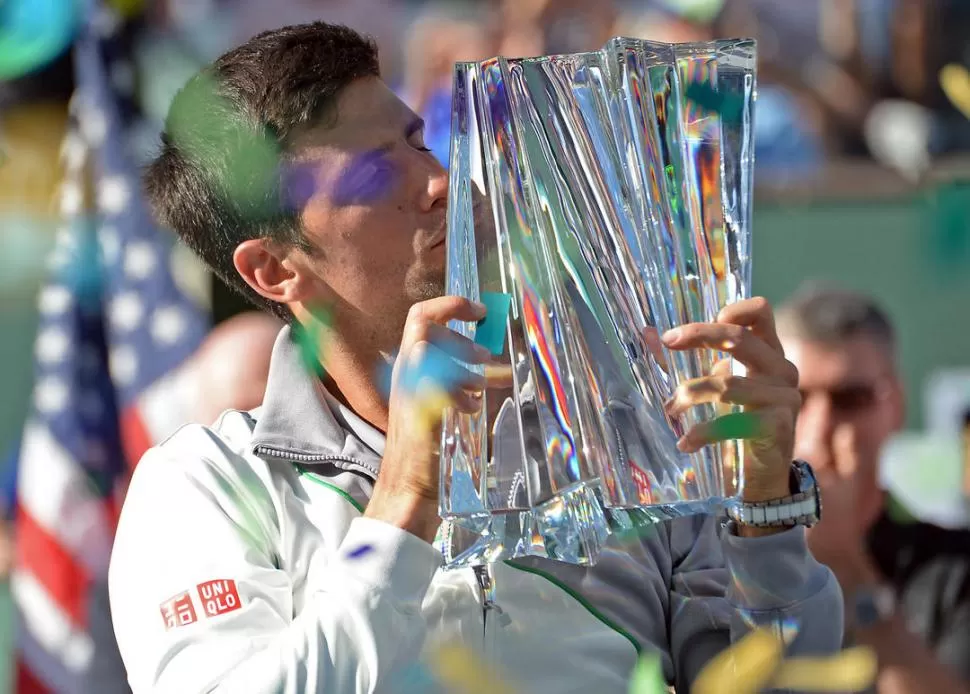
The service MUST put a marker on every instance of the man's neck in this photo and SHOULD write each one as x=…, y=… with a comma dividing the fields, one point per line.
x=353, y=377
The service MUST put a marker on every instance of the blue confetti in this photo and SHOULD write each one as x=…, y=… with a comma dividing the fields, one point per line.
x=358, y=552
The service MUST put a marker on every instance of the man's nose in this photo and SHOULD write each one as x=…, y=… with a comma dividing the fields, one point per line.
x=436, y=189
x=813, y=431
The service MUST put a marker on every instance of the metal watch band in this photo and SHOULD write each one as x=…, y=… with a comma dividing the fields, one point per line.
x=803, y=507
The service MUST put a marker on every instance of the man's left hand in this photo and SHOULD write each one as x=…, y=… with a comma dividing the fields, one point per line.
x=768, y=394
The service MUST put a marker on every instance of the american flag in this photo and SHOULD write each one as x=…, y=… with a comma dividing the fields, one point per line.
x=114, y=329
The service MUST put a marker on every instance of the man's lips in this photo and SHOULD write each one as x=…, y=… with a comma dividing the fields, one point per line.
x=437, y=240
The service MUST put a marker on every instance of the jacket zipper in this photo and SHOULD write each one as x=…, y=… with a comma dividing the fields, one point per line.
x=309, y=457
x=486, y=589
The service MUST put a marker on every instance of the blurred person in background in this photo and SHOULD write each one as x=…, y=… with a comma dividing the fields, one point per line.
x=545, y=27
x=906, y=587
x=435, y=43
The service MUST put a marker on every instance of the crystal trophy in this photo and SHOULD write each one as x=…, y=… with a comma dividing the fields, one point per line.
x=603, y=198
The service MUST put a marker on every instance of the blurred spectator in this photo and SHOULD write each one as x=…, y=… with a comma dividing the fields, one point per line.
x=229, y=370
x=382, y=20
x=907, y=587
x=436, y=42
x=544, y=27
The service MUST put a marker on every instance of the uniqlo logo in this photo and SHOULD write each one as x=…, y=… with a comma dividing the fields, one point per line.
x=219, y=597
x=178, y=611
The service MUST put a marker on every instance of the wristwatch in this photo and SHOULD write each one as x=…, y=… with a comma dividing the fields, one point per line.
x=802, y=507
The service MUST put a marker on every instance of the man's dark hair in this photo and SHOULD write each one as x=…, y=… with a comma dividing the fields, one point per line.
x=831, y=315
x=219, y=179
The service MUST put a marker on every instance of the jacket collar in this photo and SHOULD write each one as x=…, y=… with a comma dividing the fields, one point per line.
x=298, y=421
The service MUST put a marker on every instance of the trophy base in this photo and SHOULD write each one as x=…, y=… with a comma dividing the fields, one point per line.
x=573, y=527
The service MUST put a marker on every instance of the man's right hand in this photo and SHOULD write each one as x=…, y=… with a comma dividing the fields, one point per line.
x=426, y=377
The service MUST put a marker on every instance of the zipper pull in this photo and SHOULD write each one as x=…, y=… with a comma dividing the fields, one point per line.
x=486, y=587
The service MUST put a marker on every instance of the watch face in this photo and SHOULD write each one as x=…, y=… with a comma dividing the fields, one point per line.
x=802, y=477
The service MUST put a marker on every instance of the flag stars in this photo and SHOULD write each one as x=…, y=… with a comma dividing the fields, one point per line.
x=168, y=325
x=140, y=260
x=52, y=345
x=113, y=194
x=54, y=300
x=110, y=245
x=72, y=198
x=126, y=311
x=73, y=152
x=123, y=363
x=51, y=395
x=94, y=125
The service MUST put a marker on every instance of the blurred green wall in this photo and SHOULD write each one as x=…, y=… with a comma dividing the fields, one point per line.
x=912, y=253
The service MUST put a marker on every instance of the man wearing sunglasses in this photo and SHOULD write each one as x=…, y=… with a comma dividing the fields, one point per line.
x=906, y=586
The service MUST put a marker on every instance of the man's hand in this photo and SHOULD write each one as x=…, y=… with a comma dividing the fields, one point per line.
x=769, y=394
x=426, y=378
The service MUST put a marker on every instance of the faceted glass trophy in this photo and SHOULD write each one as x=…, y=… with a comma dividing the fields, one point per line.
x=595, y=200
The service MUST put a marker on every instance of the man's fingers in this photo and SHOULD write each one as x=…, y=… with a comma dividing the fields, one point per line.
x=735, y=390
x=445, y=308
x=652, y=337
x=754, y=313
x=743, y=344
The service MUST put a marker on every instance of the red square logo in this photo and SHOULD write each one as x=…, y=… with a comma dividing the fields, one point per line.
x=178, y=611
x=219, y=597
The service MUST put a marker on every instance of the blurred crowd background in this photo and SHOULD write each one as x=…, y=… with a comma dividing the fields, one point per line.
x=862, y=144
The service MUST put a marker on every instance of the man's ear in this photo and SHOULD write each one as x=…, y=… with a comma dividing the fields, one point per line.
x=270, y=270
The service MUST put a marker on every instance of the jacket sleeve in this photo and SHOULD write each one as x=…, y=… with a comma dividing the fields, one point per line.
x=721, y=587
x=191, y=524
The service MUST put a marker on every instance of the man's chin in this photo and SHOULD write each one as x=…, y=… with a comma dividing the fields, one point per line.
x=426, y=288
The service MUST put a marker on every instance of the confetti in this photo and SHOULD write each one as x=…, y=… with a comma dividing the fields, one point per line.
x=704, y=95
x=745, y=668
x=648, y=676
x=207, y=126
x=955, y=81
x=737, y=425
x=428, y=408
x=310, y=339
x=358, y=552
x=464, y=673
x=852, y=670
x=756, y=662
x=490, y=332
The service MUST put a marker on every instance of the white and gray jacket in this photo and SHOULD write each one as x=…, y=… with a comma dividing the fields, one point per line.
x=242, y=563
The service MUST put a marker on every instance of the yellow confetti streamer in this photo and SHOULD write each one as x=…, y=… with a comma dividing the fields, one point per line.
x=744, y=668
x=852, y=670
x=429, y=404
x=955, y=81
x=461, y=671
x=755, y=663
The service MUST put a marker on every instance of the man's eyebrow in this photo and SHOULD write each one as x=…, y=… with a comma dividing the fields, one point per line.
x=416, y=125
